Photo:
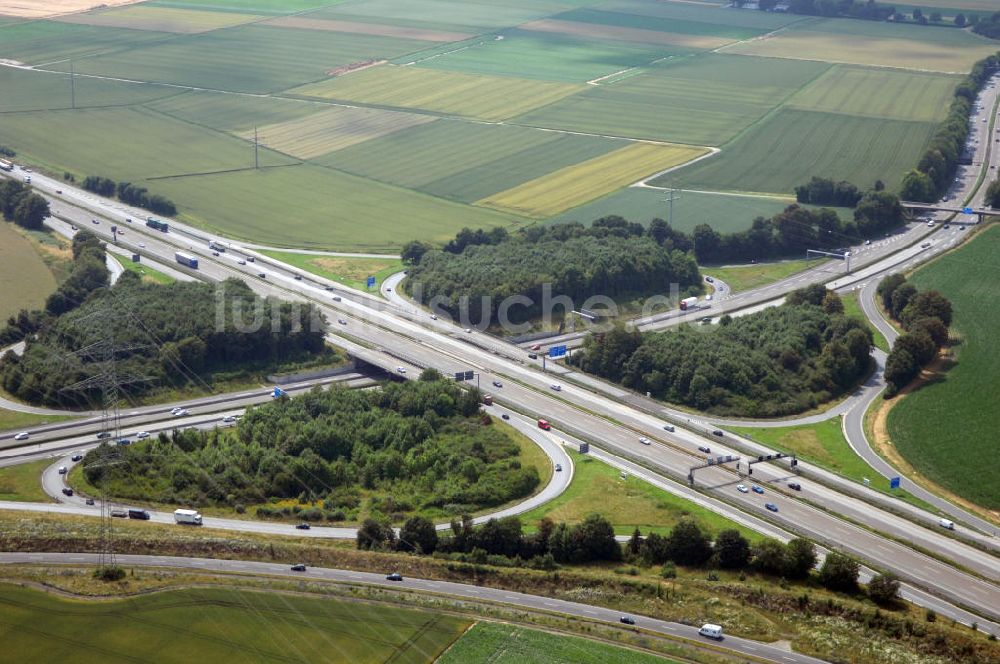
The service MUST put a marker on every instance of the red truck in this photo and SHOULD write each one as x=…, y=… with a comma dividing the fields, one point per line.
x=544, y=424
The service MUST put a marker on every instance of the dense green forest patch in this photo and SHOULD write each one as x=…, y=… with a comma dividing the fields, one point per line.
x=420, y=447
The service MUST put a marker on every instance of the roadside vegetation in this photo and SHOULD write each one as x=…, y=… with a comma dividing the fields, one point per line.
x=12, y=419
x=779, y=361
x=816, y=621
x=347, y=270
x=26, y=278
x=852, y=308
x=340, y=455
x=747, y=277
x=146, y=273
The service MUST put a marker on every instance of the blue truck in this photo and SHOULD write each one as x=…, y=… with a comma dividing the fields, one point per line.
x=188, y=261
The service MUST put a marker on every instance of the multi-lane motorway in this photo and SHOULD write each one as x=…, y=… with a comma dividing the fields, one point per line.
x=390, y=336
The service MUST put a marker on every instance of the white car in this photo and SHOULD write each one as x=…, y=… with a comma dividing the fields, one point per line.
x=229, y=419
x=342, y=321
x=930, y=223
x=241, y=262
x=468, y=330
x=142, y=434
x=181, y=413
x=708, y=297
x=644, y=440
x=142, y=244
x=434, y=317
x=175, y=410
x=742, y=488
x=22, y=436
x=557, y=387
x=401, y=370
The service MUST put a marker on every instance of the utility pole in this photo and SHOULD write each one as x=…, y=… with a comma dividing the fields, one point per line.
x=672, y=195
x=256, y=162
x=72, y=86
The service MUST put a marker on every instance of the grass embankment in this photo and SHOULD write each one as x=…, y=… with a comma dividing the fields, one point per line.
x=353, y=272
x=597, y=488
x=26, y=278
x=147, y=273
x=746, y=277
x=825, y=445
x=12, y=419
x=852, y=307
x=23, y=482
x=815, y=621
x=947, y=428
x=220, y=624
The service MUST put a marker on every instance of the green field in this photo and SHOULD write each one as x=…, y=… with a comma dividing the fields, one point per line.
x=501, y=643
x=747, y=277
x=23, y=482
x=12, y=419
x=466, y=161
x=706, y=99
x=26, y=280
x=449, y=14
x=947, y=429
x=162, y=19
x=86, y=142
x=251, y=58
x=39, y=92
x=219, y=625
x=659, y=23
x=453, y=93
x=546, y=56
x=597, y=488
x=353, y=272
x=330, y=209
x=879, y=93
x=39, y=42
x=700, y=12
x=791, y=146
x=725, y=212
x=252, y=6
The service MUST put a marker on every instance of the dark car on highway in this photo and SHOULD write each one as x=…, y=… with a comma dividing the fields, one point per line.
x=303, y=526
x=68, y=491
x=627, y=620
x=395, y=576
x=298, y=568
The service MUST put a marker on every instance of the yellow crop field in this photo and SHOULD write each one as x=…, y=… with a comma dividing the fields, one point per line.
x=574, y=185
x=162, y=19
x=330, y=130
x=879, y=93
x=484, y=97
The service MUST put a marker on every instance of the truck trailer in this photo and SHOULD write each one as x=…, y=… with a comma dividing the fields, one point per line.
x=155, y=224
x=187, y=517
x=688, y=303
x=6, y=165
x=186, y=260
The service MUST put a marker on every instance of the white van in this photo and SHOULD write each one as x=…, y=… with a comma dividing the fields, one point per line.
x=711, y=631
x=945, y=523
x=62, y=470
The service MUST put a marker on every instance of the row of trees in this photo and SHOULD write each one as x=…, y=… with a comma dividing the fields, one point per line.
x=180, y=331
x=392, y=452
x=130, y=194
x=825, y=191
x=926, y=317
x=479, y=270
x=936, y=169
x=88, y=274
x=500, y=541
x=18, y=203
x=796, y=229
x=989, y=26
x=779, y=361
x=993, y=194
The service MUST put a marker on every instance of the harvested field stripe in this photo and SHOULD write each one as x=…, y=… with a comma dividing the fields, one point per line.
x=161, y=19
x=356, y=28
x=598, y=31
x=583, y=182
x=334, y=129
x=485, y=97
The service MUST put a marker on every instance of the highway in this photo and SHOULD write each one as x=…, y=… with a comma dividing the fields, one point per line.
x=378, y=328
x=468, y=592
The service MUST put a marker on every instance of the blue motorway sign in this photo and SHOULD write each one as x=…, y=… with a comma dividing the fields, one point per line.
x=371, y=281
x=967, y=210
x=894, y=482
x=557, y=351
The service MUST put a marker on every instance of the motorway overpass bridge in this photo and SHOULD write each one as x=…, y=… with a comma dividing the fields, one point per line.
x=981, y=213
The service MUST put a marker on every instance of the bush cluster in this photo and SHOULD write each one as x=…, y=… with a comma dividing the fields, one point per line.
x=18, y=203
x=130, y=194
x=925, y=317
